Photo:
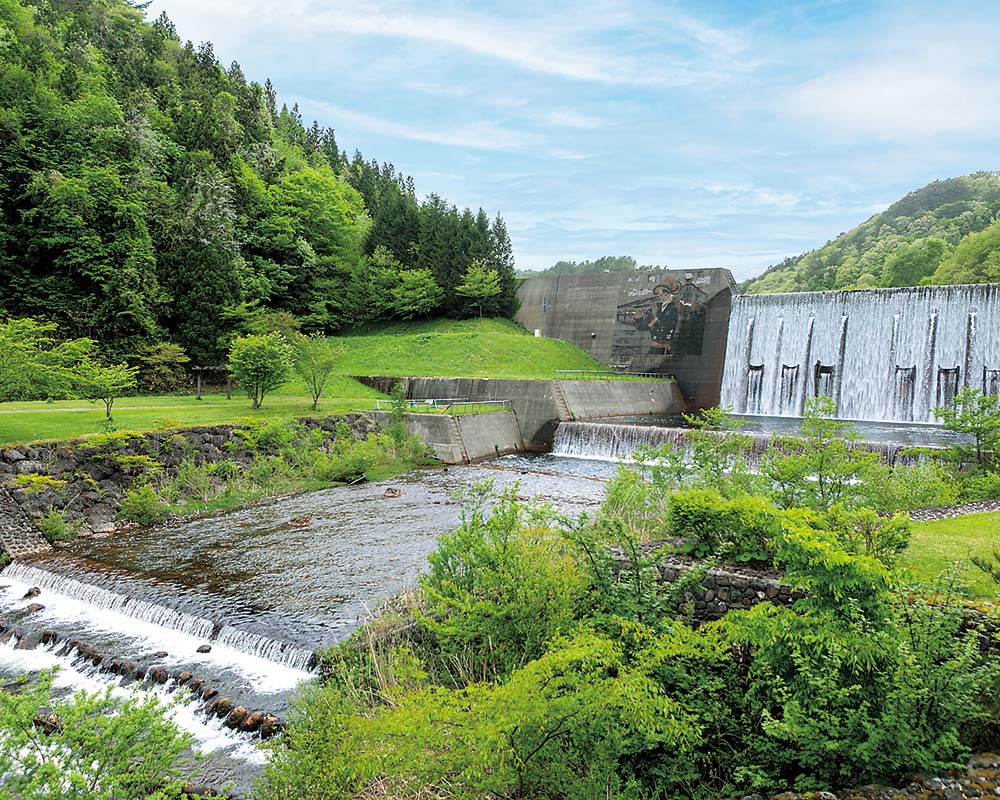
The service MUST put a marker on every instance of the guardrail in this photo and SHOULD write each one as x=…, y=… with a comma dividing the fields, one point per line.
x=430, y=403
x=608, y=375
x=477, y=407
x=448, y=405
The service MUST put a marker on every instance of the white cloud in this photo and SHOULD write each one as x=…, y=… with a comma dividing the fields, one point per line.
x=553, y=43
x=922, y=88
x=473, y=136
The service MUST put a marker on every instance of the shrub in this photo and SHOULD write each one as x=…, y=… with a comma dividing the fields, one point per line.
x=102, y=748
x=142, y=505
x=740, y=528
x=54, y=528
x=863, y=532
x=498, y=588
x=32, y=483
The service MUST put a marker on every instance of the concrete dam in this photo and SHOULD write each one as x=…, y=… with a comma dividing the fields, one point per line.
x=888, y=355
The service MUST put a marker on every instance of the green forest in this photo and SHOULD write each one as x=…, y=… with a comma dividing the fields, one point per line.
x=152, y=195
x=944, y=233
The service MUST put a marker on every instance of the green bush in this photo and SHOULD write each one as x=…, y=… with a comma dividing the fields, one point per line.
x=54, y=528
x=980, y=485
x=741, y=528
x=33, y=483
x=142, y=505
x=498, y=588
x=864, y=532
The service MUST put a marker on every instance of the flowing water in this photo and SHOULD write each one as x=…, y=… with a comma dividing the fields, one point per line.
x=881, y=354
x=260, y=593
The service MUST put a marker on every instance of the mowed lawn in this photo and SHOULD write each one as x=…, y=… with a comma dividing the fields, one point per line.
x=936, y=546
x=494, y=348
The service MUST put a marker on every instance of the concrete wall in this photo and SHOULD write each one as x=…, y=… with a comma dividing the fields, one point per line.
x=600, y=312
x=463, y=439
x=541, y=405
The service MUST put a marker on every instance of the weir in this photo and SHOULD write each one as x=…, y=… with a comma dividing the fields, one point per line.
x=881, y=354
x=615, y=442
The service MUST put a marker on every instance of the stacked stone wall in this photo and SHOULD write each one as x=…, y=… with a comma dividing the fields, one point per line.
x=85, y=480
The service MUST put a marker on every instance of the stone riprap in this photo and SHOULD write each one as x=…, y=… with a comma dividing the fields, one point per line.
x=980, y=778
x=18, y=536
x=85, y=480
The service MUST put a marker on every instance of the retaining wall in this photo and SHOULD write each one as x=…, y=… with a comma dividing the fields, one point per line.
x=540, y=405
x=466, y=438
x=90, y=477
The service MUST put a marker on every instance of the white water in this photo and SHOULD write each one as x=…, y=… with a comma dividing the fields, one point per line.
x=601, y=441
x=210, y=734
x=883, y=354
x=107, y=600
x=137, y=635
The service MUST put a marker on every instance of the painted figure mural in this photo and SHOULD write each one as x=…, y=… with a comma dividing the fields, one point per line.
x=663, y=321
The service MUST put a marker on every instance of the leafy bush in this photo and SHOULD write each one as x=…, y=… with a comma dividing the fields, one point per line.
x=54, y=528
x=142, y=505
x=99, y=748
x=863, y=532
x=498, y=588
x=980, y=485
x=740, y=528
x=33, y=483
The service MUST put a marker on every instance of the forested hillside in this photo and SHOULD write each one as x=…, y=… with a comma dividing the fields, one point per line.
x=151, y=195
x=947, y=232
x=602, y=264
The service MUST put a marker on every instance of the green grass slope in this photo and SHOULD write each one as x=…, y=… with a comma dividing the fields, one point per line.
x=494, y=348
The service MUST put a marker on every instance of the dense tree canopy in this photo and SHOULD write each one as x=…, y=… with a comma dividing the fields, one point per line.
x=152, y=195
x=939, y=234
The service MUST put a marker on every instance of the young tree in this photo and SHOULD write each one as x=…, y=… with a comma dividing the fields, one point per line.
x=260, y=363
x=315, y=357
x=90, y=745
x=106, y=383
x=480, y=284
x=416, y=294
x=978, y=415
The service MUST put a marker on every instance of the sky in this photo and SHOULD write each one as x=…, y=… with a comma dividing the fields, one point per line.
x=724, y=134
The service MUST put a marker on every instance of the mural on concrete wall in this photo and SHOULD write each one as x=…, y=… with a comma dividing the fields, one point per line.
x=658, y=317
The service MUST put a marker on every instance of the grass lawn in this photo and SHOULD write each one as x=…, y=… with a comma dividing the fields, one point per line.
x=936, y=545
x=495, y=348
x=68, y=419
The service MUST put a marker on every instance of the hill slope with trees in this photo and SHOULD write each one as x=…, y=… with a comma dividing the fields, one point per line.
x=151, y=195
x=947, y=232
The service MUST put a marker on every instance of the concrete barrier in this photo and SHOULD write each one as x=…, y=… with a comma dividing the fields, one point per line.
x=540, y=405
x=464, y=439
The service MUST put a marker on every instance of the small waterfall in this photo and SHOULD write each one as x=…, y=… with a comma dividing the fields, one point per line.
x=904, y=381
x=991, y=381
x=274, y=650
x=850, y=343
x=113, y=601
x=755, y=388
x=609, y=442
x=947, y=385
x=789, y=401
x=823, y=380
x=251, y=644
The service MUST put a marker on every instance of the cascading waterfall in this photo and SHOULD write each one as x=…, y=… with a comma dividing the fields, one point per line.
x=279, y=652
x=611, y=442
x=883, y=355
x=112, y=601
x=265, y=647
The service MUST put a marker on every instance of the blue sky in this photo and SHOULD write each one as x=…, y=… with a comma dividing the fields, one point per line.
x=729, y=134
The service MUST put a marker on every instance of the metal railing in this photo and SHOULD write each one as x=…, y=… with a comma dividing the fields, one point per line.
x=448, y=405
x=477, y=407
x=430, y=403
x=608, y=375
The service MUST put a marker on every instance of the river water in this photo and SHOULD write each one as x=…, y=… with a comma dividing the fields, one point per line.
x=261, y=593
